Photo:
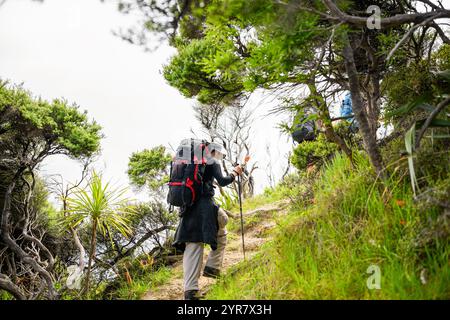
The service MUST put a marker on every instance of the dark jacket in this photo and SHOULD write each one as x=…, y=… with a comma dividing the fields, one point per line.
x=199, y=222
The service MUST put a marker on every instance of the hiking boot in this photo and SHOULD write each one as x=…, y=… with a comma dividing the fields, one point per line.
x=211, y=272
x=191, y=295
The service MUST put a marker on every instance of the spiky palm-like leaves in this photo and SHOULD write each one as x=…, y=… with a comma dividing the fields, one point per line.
x=104, y=208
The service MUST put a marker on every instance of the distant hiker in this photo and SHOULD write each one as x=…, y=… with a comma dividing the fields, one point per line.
x=202, y=221
x=305, y=130
x=347, y=112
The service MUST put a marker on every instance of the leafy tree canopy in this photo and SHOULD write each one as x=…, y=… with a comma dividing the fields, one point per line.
x=56, y=126
x=148, y=168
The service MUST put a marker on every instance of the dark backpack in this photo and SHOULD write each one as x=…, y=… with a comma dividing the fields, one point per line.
x=304, y=132
x=186, y=173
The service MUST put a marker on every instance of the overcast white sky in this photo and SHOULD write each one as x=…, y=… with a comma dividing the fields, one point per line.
x=65, y=48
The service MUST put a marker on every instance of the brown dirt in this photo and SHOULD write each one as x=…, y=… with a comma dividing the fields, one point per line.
x=254, y=238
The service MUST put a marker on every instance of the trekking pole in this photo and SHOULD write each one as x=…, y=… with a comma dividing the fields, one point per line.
x=240, y=204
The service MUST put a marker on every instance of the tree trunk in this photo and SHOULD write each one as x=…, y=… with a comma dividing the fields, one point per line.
x=369, y=137
x=91, y=255
x=80, y=248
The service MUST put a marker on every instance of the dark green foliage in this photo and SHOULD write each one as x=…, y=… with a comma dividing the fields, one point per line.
x=56, y=126
x=148, y=168
x=205, y=69
x=227, y=61
x=413, y=90
x=313, y=152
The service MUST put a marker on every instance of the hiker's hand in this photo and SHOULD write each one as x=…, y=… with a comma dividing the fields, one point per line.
x=238, y=170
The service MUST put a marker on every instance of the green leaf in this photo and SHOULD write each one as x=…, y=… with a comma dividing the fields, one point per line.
x=444, y=74
x=409, y=107
x=410, y=138
x=109, y=207
x=439, y=123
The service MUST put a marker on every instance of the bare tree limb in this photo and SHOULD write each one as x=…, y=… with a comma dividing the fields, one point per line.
x=140, y=242
x=385, y=22
x=409, y=33
x=431, y=4
x=441, y=33
x=9, y=286
x=80, y=248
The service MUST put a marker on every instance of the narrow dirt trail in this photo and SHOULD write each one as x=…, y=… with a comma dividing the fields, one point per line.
x=255, y=235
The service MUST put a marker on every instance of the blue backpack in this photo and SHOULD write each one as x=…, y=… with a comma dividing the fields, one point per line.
x=347, y=111
x=346, y=107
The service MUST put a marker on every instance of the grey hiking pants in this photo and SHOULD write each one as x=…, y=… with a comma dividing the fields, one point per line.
x=193, y=255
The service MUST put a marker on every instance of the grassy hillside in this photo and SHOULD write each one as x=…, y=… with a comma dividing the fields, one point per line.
x=343, y=220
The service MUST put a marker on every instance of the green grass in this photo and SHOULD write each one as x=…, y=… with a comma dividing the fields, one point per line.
x=5, y=295
x=269, y=196
x=141, y=285
x=323, y=251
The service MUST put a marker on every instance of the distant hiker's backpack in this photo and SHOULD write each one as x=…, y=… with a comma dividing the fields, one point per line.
x=347, y=112
x=304, y=132
x=186, y=173
x=346, y=107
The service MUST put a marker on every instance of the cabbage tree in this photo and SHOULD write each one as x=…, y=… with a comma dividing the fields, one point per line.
x=104, y=208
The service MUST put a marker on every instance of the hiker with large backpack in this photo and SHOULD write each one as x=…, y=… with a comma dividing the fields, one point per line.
x=194, y=169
